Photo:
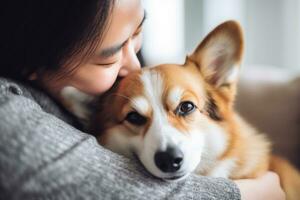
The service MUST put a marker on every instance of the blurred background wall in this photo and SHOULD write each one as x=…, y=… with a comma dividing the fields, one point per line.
x=271, y=27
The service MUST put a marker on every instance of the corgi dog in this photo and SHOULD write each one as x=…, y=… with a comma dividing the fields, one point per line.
x=179, y=119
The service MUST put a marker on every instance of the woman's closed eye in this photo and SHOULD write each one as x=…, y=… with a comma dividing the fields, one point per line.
x=113, y=55
x=110, y=59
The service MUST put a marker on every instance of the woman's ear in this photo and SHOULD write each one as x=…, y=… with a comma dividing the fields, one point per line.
x=219, y=55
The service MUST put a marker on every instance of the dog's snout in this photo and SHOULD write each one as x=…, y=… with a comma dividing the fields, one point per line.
x=169, y=160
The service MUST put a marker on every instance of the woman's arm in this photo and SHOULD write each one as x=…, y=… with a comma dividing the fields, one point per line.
x=41, y=156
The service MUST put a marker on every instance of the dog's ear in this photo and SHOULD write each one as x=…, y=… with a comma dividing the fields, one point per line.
x=78, y=103
x=219, y=55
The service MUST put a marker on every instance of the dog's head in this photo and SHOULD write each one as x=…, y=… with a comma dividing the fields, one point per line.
x=172, y=116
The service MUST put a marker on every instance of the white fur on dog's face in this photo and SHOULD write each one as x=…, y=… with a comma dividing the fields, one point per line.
x=192, y=137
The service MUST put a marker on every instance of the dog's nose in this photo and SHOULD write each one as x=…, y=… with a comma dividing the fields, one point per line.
x=169, y=160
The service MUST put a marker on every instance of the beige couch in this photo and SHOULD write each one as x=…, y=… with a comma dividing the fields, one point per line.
x=269, y=98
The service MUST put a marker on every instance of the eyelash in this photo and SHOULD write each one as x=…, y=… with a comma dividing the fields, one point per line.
x=137, y=32
x=106, y=65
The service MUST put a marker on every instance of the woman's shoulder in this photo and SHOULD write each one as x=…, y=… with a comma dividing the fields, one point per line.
x=16, y=95
x=8, y=86
x=14, y=91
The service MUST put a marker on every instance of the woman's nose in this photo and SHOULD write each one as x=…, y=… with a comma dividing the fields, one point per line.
x=130, y=60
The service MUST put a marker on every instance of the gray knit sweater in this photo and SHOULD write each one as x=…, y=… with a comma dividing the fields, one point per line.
x=42, y=156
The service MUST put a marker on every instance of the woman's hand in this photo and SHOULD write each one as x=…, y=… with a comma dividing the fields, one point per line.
x=264, y=187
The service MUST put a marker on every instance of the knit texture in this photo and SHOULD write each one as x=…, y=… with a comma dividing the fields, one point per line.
x=43, y=156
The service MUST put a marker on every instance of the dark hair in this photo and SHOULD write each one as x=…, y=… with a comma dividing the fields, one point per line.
x=44, y=35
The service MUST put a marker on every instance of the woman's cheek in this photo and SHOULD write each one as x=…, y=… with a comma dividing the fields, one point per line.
x=102, y=80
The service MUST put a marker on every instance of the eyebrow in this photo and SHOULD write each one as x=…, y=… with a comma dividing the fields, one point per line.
x=112, y=50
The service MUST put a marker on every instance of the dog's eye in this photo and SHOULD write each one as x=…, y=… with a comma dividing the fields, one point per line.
x=136, y=119
x=185, y=108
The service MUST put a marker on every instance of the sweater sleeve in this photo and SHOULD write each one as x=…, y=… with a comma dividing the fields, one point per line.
x=43, y=157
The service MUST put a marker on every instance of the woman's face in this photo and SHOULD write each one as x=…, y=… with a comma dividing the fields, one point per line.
x=115, y=57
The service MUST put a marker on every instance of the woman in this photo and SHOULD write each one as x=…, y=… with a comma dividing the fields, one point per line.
x=47, y=45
